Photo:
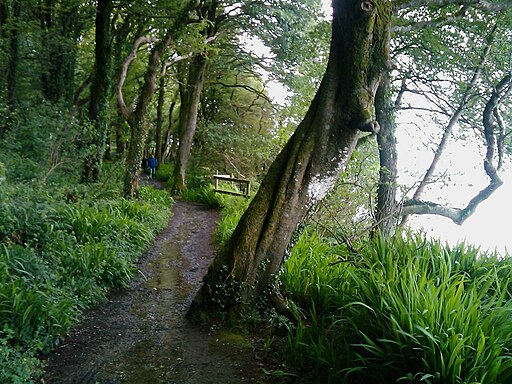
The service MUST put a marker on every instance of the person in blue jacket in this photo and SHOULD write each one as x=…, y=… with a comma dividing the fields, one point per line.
x=152, y=164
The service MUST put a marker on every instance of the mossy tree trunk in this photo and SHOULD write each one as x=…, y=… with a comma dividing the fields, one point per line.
x=138, y=120
x=190, y=98
x=100, y=92
x=159, y=121
x=308, y=166
x=190, y=94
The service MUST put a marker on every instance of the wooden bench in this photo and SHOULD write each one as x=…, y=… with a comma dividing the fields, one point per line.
x=244, y=186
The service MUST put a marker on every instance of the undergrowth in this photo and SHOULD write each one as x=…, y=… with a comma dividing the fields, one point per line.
x=407, y=310
x=61, y=250
x=233, y=208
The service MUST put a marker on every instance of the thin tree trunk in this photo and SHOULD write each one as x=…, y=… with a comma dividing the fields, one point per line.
x=119, y=132
x=9, y=29
x=60, y=32
x=386, y=209
x=14, y=56
x=159, y=121
x=191, y=97
x=170, y=136
x=138, y=121
x=308, y=166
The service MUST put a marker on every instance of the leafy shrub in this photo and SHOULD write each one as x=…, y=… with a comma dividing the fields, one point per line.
x=408, y=311
x=59, y=253
x=234, y=208
x=164, y=172
x=41, y=142
x=205, y=195
x=16, y=366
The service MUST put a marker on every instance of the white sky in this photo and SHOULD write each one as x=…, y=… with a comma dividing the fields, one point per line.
x=489, y=226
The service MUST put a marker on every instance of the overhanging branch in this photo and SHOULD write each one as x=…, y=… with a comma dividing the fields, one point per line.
x=459, y=215
x=126, y=111
x=478, y=4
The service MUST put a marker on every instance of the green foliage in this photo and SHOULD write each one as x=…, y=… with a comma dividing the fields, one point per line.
x=16, y=366
x=59, y=253
x=205, y=195
x=42, y=143
x=233, y=209
x=408, y=310
x=2, y=173
x=164, y=172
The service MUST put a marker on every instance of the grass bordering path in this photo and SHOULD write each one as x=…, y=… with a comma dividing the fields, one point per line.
x=60, y=252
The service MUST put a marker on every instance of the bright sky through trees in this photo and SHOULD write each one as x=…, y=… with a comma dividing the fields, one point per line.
x=489, y=226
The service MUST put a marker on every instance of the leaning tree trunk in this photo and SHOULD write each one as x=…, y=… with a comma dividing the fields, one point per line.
x=191, y=97
x=307, y=168
x=159, y=121
x=138, y=121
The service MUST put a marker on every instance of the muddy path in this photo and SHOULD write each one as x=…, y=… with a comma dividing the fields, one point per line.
x=141, y=335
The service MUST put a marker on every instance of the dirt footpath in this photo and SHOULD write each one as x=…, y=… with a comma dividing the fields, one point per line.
x=141, y=335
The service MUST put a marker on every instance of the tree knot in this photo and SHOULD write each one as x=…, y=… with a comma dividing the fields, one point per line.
x=367, y=6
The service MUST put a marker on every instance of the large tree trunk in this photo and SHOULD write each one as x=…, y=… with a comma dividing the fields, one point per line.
x=190, y=99
x=307, y=168
x=98, y=102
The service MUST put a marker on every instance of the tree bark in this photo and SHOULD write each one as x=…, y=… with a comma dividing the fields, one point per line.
x=191, y=95
x=170, y=135
x=100, y=91
x=138, y=122
x=386, y=209
x=190, y=98
x=308, y=166
x=159, y=121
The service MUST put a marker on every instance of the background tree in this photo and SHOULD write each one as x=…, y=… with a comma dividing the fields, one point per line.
x=100, y=93
x=136, y=113
x=449, y=71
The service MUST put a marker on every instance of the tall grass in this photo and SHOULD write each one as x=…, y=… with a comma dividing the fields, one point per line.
x=408, y=311
x=233, y=208
x=58, y=257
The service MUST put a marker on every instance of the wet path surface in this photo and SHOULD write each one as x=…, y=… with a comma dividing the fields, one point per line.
x=141, y=335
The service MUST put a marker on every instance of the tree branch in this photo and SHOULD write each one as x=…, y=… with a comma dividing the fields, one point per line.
x=478, y=4
x=454, y=119
x=246, y=87
x=127, y=111
x=459, y=215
